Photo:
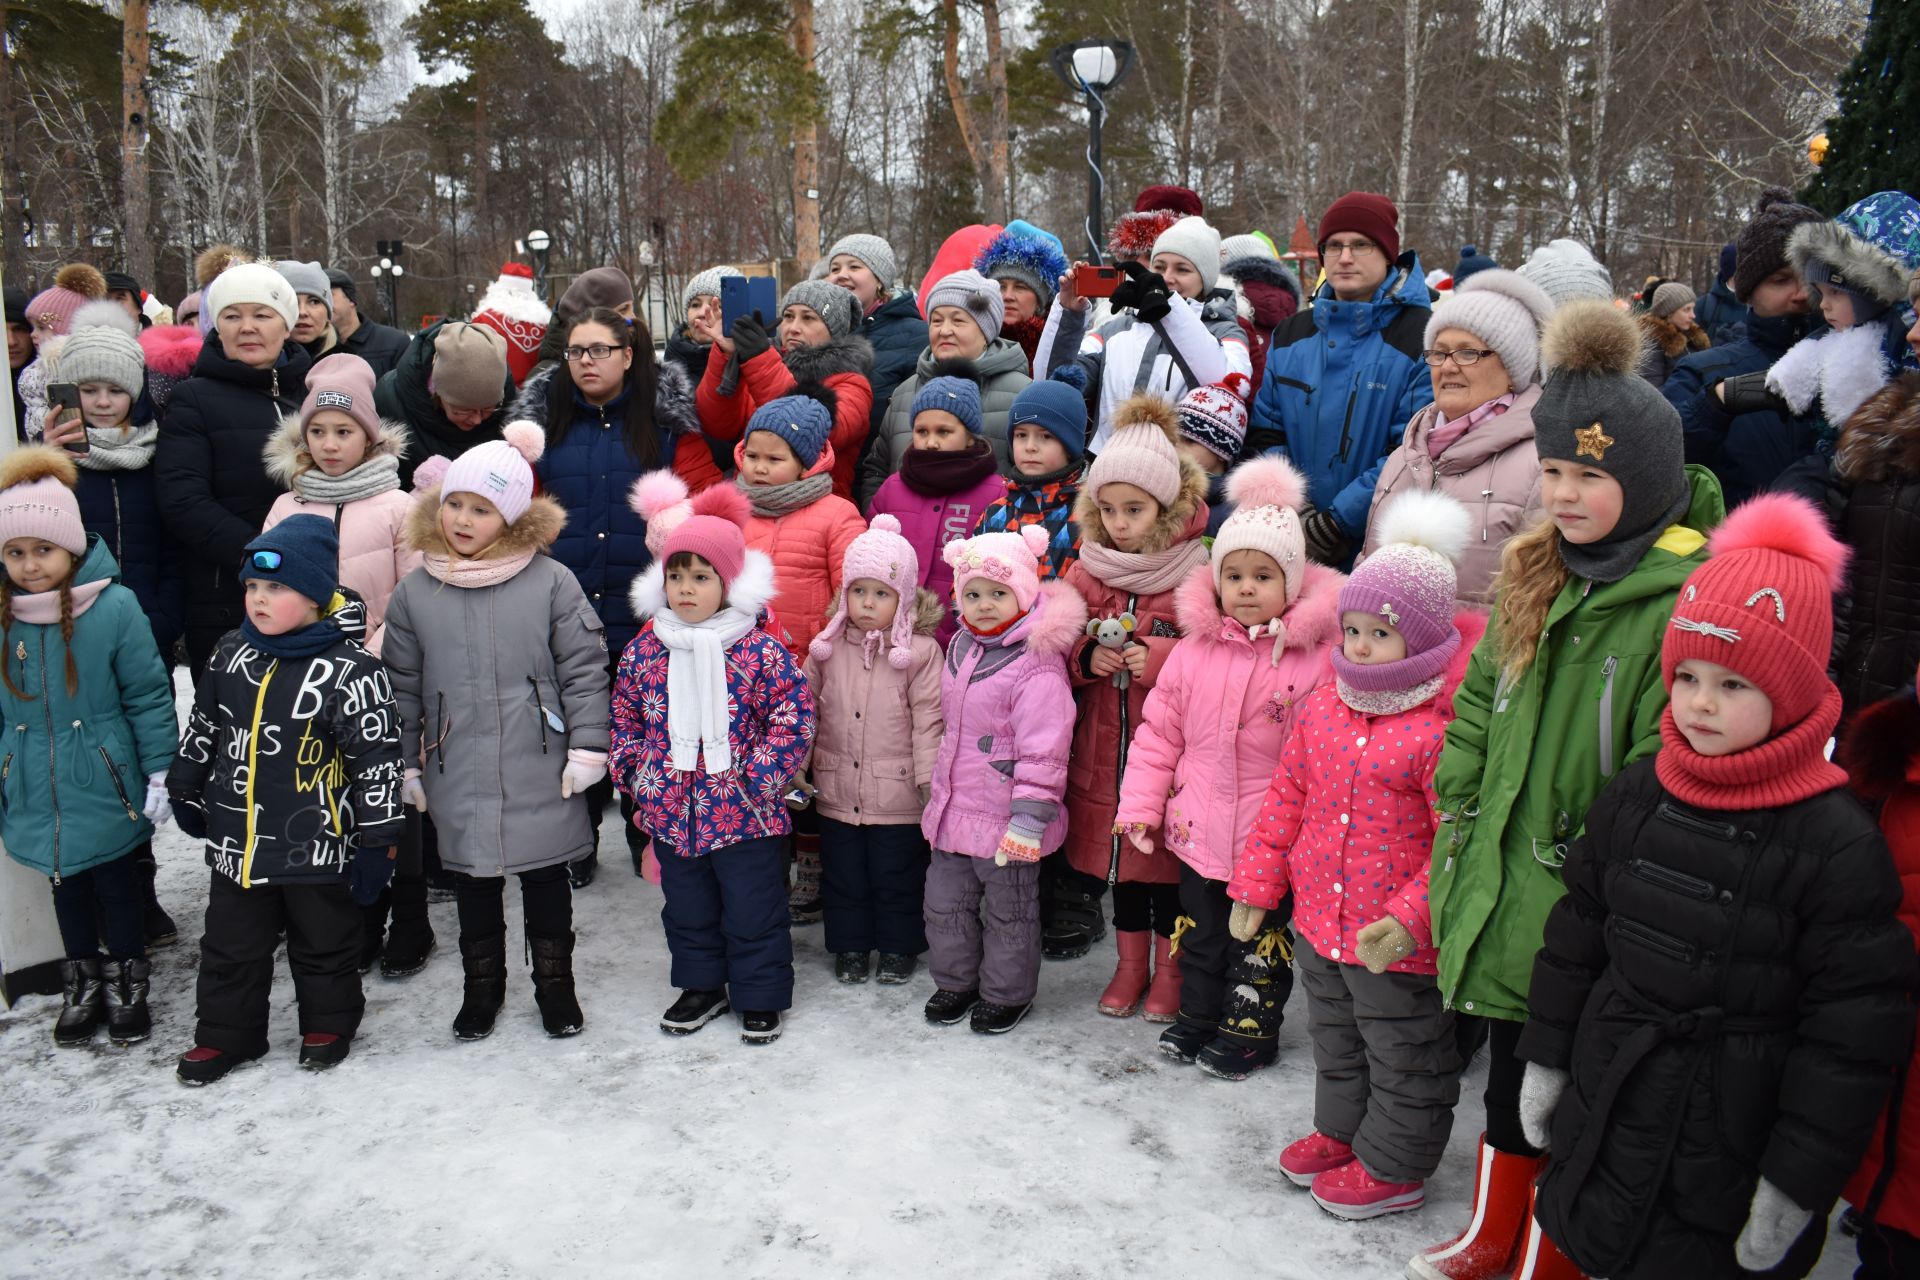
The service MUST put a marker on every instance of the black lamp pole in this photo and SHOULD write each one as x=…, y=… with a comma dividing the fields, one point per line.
x=1093, y=67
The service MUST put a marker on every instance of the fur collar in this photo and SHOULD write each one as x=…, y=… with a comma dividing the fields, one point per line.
x=1174, y=525
x=1674, y=342
x=928, y=612
x=1881, y=441
x=1058, y=619
x=170, y=349
x=1262, y=270
x=1838, y=369
x=534, y=531
x=673, y=409
x=287, y=455
x=1863, y=267
x=1881, y=748
x=849, y=354
x=751, y=592
x=1312, y=620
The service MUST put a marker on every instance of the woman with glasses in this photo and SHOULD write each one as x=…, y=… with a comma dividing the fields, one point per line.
x=1474, y=443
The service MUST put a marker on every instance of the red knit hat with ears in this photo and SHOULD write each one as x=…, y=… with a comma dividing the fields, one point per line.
x=1762, y=604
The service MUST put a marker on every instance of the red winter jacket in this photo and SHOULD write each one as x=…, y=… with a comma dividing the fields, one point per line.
x=841, y=364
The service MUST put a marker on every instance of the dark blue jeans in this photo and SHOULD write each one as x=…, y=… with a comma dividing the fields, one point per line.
x=727, y=922
x=114, y=889
x=874, y=880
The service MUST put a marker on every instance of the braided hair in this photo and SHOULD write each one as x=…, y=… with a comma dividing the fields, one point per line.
x=7, y=590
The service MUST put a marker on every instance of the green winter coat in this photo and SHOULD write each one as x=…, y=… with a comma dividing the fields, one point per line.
x=74, y=768
x=1523, y=763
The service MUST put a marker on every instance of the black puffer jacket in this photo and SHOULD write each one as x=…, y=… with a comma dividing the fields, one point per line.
x=406, y=392
x=211, y=480
x=380, y=345
x=1874, y=504
x=1731, y=993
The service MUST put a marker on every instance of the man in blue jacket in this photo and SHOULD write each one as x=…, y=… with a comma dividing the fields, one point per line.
x=1747, y=448
x=1722, y=315
x=1345, y=377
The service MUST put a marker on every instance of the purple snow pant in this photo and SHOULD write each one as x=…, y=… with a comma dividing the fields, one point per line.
x=1001, y=961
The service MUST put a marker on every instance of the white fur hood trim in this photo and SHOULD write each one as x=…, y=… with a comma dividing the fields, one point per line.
x=751, y=592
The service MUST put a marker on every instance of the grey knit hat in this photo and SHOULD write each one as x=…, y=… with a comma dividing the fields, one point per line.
x=706, y=282
x=309, y=278
x=1503, y=309
x=1247, y=245
x=829, y=301
x=978, y=296
x=872, y=250
x=1596, y=410
x=100, y=347
x=606, y=287
x=1669, y=298
x=1761, y=247
x=1566, y=270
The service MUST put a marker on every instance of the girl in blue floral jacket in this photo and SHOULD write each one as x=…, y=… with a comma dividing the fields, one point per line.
x=712, y=720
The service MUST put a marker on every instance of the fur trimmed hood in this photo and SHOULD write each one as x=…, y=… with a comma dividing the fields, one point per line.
x=1881, y=748
x=1472, y=625
x=1856, y=264
x=288, y=457
x=673, y=409
x=1881, y=441
x=751, y=592
x=1056, y=622
x=1185, y=518
x=1311, y=620
x=534, y=531
x=171, y=349
x=849, y=353
x=1261, y=270
x=1674, y=342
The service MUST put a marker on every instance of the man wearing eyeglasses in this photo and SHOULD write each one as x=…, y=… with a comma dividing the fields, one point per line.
x=451, y=388
x=1345, y=376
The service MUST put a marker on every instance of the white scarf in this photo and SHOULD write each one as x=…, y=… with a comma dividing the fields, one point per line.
x=697, y=685
x=119, y=448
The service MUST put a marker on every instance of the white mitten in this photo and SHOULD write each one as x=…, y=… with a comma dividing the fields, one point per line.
x=1540, y=1090
x=1774, y=1222
x=412, y=792
x=158, y=809
x=584, y=769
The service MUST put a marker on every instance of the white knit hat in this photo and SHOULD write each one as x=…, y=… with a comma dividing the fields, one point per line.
x=1503, y=309
x=1198, y=243
x=1247, y=245
x=1566, y=270
x=705, y=282
x=254, y=282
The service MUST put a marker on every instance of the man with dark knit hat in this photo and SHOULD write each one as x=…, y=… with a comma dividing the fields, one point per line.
x=451, y=388
x=1344, y=377
x=1722, y=315
x=380, y=345
x=1748, y=446
x=125, y=292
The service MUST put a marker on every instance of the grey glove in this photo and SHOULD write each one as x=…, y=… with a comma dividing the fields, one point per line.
x=1540, y=1090
x=1773, y=1224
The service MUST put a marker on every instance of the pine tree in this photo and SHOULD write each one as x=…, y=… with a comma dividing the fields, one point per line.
x=1873, y=144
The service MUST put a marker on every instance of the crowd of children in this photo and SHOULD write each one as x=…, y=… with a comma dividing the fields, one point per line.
x=1597, y=832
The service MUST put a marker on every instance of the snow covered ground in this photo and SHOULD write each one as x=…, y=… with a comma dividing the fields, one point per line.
x=864, y=1143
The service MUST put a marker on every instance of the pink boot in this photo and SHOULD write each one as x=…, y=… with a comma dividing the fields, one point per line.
x=1122, y=995
x=1163, y=997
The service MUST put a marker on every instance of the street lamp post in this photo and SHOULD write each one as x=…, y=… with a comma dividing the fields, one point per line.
x=1093, y=67
x=387, y=273
x=539, y=242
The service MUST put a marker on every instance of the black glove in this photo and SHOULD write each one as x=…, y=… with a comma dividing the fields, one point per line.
x=189, y=816
x=1144, y=292
x=750, y=337
x=1325, y=543
x=1748, y=393
x=370, y=872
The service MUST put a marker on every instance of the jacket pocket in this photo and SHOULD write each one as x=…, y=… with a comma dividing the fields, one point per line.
x=1673, y=881
x=1677, y=817
x=119, y=787
x=893, y=786
x=1607, y=669
x=1657, y=941
x=547, y=714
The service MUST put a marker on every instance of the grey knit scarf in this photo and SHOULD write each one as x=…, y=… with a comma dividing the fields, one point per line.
x=374, y=476
x=776, y=500
x=119, y=448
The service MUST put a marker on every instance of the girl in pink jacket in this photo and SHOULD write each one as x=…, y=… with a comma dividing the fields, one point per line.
x=996, y=799
x=1347, y=827
x=1259, y=624
x=875, y=675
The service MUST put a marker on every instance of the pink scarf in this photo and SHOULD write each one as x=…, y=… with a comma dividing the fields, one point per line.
x=1445, y=435
x=42, y=608
x=491, y=572
x=1142, y=575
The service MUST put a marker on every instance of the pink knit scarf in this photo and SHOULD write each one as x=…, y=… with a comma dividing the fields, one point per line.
x=491, y=572
x=42, y=608
x=1143, y=574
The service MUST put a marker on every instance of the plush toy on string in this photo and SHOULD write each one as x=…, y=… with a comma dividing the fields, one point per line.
x=1115, y=633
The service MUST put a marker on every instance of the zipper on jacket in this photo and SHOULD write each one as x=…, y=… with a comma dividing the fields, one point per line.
x=53, y=776
x=540, y=708
x=1678, y=817
x=440, y=718
x=119, y=529
x=1674, y=881
x=1346, y=426
x=1606, y=715
x=1654, y=939
x=117, y=785
x=1486, y=512
x=1113, y=841
x=253, y=751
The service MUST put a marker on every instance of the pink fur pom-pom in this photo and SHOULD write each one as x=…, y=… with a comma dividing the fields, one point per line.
x=1036, y=539
x=1788, y=524
x=1266, y=482
x=886, y=522
x=654, y=492
x=820, y=647
x=899, y=657
x=527, y=439
x=431, y=472
x=171, y=349
x=725, y=501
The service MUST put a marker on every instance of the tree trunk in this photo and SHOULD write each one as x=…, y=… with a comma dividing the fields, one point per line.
x=806, y=150
x=1410, y=75
x=999, y=163
x=482, y=161
x=1183, y=144
x=1593, y=196
x=136, y=194
x=251, y=104
x=12, y=176
x=333, y=157
x=957, y=93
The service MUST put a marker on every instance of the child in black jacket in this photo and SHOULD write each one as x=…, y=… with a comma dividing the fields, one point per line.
x=290, y=770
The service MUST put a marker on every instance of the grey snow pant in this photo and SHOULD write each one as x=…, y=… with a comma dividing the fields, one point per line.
x=1388, y=1064
x=1001, y=960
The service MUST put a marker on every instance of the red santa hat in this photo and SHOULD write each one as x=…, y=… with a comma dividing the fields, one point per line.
x=513, y=310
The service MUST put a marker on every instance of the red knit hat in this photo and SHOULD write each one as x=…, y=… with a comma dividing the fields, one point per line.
x=1182, y=200
x=715, y=531
x=1363, y=213
x=1762, y=604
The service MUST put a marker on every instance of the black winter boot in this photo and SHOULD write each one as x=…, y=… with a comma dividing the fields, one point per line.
x=553, y=986
x=410, y=938
x=1071, y=920
x=485, y=960
x=129, y=1021
x=82, y=1013
x=160, y=928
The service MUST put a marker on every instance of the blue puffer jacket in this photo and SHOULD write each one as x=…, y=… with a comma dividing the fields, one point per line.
x=898, y=336
x=1343, y=379
x=124, y=509
x=1746, y=452
x=590, y=472
x=1722, y=315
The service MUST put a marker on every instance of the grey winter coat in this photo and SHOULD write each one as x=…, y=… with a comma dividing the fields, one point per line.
x=1004, y=374
x=494, y=685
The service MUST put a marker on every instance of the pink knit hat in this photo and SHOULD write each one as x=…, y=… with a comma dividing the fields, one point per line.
x=501, y=471
x=883, y=555
x=1142, y=450
x=660, y=498
x=714, y=530
x=343, y=382
x=74, y=286
x=36, y=498
x=1266, y=493
x=1010, y=559
x=1410, y=580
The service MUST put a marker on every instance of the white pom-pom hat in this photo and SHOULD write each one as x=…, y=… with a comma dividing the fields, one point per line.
x=1410, y=580
x=501, y=471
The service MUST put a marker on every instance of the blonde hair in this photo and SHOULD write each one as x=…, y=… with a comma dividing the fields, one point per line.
x=1530, y=579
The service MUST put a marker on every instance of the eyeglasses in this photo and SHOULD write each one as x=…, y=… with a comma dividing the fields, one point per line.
x=1359, y=250
x=1465, y=357
x=266, y=561
x=598, y=351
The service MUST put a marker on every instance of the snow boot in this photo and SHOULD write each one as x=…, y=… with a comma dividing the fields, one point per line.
x=322, y=1049
x=851, y=966
x=1352, y=1193
x=896, y=968
x=84, y=1007
x=759, y=1028
x=1502, y=1193
x=202, y=1066
x=1071, y=921
x=1184, y=1040
x=485, y=961
x=997, y=1019
x=1228, y=1057
x=1307, y=1158
x=553, y=986
x=948, y=1007
x=1163, y=997
x=804, y=902
x=128, y=1019
x=580, y=874
x=1122, y=995
x=1538, y=1258
x=692, y=1011
x=160, y=928
x=410, y=938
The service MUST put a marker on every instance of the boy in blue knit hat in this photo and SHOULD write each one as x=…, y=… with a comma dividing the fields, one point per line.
x=1048, y=426
x=289, y=769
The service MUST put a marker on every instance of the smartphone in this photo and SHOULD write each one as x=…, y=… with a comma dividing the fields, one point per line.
x=744, y=295
x=1094, y=281
x=65, y=396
